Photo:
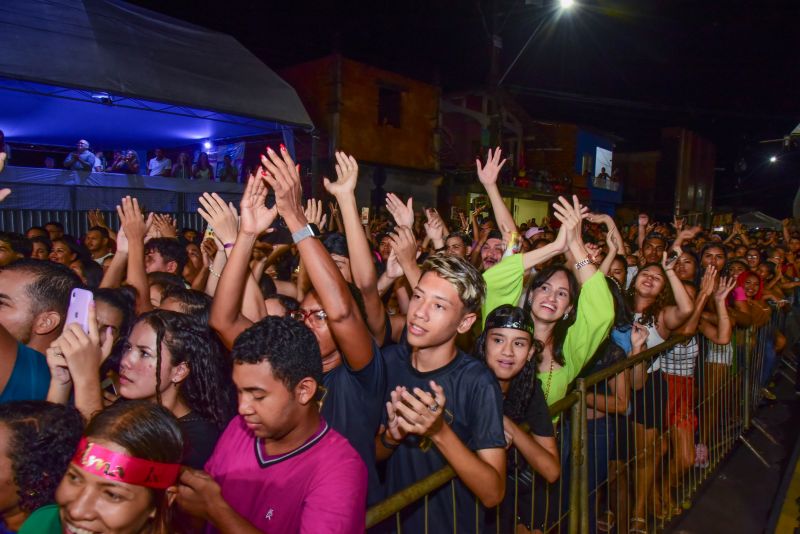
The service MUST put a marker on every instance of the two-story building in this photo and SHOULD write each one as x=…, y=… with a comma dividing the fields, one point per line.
x=387, y=121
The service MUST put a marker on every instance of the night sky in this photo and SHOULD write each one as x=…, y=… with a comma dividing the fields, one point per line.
x=727, y=69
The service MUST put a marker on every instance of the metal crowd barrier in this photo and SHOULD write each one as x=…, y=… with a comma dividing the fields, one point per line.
x=636, y=468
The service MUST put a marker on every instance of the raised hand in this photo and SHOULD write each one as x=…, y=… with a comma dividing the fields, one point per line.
x=346, y=176
x=165, y=226
x=82, y=352
x=4, y=193
x=393, y=269
x=707, y=283
x=599, y=218
x=403, y=214
x=59, y=370
x=404, y=245
x=434, y=227
x=689, y=233
x=592, y=250
x=488, y=173
x=283, y=175
x=221, y=217
x=668, y=264
x=315, y=214
x=256, y=217
x=644, y=220
x=132, y=221
x=726, y=285
x=570, y=216
x=122, y=241
x=209, y=249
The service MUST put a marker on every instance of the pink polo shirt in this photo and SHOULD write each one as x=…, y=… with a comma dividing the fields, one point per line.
x=320, y=487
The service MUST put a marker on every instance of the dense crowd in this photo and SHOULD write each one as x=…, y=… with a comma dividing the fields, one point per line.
x=289, y=365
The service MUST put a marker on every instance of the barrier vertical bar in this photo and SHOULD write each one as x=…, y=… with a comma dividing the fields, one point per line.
x=583, y=464
x=576, y=461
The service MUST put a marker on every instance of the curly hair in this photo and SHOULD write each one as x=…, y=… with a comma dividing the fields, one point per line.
x=289, y=346
x=42, y=439
x=520, y=390
x=564, y=323
x=208, y=389
x=665, y=298
x=147, y=431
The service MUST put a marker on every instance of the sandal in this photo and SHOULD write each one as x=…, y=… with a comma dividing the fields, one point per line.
x=638, y=530
x=701, y=456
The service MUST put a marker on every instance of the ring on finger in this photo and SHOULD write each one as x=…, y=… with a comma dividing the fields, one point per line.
x=434, y=407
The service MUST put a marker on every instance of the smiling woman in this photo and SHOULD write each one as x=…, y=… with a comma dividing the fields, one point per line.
x=122, y=477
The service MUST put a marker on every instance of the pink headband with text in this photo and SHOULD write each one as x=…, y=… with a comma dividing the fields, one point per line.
x=120, y=467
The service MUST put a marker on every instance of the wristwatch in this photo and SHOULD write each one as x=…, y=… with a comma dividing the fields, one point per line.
x=309, y=230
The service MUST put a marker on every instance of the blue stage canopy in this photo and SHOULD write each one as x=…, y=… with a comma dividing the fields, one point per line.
x=120, y=75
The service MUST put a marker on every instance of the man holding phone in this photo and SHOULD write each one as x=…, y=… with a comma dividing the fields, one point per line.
x=33, y=306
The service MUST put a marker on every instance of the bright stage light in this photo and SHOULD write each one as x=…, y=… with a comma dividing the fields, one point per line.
x=773, y=159
x=207, y=145
x=566, y=4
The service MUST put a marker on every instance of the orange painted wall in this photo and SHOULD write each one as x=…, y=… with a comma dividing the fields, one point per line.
x=411, y=145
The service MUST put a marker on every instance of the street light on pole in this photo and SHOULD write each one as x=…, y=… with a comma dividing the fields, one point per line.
x=564, y=5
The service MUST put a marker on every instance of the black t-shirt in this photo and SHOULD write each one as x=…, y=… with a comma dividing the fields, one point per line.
x=473, y=409
x=538, y=414
x=199, y=439
x=353, y=405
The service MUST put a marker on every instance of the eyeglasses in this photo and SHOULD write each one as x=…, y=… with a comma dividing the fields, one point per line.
x=752, y=256
x=315, y=317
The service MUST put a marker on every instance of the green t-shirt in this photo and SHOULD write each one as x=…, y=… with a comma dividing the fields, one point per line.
x=44, y=520
x=593, y=320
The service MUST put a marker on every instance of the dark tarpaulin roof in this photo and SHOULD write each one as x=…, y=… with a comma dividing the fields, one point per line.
x=112, y=46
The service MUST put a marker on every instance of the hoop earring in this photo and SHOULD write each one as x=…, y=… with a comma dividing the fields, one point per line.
x=566, y=316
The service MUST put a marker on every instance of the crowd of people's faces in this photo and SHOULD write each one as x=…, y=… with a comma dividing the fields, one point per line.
x=155, y=377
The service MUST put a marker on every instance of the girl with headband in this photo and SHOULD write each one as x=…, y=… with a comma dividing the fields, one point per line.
x=122, y=478
x=507, y=347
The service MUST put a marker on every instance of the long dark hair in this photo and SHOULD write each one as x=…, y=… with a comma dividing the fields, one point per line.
x=147, y=431
x=563, y=324
x=520, y=391
x=208, y=389
x=665, y=298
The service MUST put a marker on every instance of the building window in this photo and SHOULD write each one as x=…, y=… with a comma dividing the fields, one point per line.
x=389, y=106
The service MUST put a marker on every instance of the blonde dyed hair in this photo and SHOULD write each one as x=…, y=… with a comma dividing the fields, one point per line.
x=462, y=275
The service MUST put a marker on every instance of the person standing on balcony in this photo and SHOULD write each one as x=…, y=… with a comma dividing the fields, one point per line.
x=183, y=168
x=81, y=159
x=160, y=165
x=202, y=170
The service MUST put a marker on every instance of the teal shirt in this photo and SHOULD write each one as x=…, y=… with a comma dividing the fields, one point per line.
x=30, y=378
